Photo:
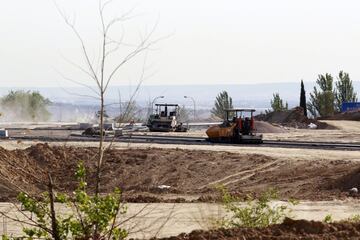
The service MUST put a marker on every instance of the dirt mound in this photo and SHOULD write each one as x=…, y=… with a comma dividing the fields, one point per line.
x=347, y=182
x=348, y=115
x=265, y=127
x=291, y=118
x=140, y=173
x=131, y=170
x=289, y=229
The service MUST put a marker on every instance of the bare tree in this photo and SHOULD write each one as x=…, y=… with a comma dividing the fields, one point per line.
x=91, y=220
x=101, y=73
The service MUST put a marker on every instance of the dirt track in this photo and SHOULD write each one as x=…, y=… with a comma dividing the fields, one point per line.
x=188, y=172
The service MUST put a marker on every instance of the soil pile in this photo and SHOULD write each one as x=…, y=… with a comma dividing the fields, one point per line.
x=348, y=115
x=265, y=127
x=291, y=118
x=347, y=182
x=289, y=229
x=180, y=171
x=131, y=170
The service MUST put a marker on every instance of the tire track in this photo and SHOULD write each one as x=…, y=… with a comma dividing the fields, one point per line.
x=246, y=174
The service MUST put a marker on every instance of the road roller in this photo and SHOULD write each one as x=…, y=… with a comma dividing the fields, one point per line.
x=238, y=127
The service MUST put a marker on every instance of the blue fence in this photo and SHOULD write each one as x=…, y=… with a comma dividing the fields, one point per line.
x=349, y=106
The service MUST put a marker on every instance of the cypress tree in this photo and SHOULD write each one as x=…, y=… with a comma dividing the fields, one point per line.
x=303, y=98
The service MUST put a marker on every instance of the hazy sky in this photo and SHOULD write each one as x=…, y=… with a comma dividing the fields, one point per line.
x=211, y=42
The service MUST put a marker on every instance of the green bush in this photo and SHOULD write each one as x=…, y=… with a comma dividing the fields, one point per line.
x=25, y=105
x=328, y=219
x=354, y=218
x=277, y=104
x=254, y=212
x=89, y=217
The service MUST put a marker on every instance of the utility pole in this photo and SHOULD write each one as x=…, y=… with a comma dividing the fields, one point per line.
x=153, y=101
x=194, y=105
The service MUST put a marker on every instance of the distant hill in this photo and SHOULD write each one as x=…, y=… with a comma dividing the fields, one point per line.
x=244, y=95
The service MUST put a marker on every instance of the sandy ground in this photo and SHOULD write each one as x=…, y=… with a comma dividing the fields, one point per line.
x=348, y=131
x=163, y=220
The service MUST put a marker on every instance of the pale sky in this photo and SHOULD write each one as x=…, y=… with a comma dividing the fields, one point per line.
x=211, y=42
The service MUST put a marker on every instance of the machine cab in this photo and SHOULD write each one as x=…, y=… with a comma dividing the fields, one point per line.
x=242, y=118
x=238, y=127
x=166, y=111
x=165, y=119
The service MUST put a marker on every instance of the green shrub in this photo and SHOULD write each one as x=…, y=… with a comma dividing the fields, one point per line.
x=354, y=218
x=256, y=212
x=25, y=105
x=328, y=219
x=89, y=217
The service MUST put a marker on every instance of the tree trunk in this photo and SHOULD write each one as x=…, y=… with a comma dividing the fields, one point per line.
x=54, y=227
x=101, y=148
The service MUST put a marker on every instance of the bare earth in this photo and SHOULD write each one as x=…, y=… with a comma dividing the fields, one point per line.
x=193, y=171
x=301, y=174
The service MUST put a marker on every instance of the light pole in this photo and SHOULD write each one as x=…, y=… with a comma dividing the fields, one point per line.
x=153, y=101
x=194, y=105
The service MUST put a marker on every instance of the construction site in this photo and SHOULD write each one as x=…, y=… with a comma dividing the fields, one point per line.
x=179, y=120
x=178, y=172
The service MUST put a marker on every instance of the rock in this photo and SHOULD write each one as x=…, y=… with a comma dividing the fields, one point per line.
x=164, y=187
x=354, y=190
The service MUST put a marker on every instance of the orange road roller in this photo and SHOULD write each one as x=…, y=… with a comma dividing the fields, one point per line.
x=238, y=127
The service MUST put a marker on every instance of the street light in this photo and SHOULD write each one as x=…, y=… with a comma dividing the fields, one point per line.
x=153, y=101
x=194, y=105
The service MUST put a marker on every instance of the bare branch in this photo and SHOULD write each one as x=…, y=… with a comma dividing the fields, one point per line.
x=79, y=95
x=144, y=45
x=165, y=222
x=77, y=82
x=104, y=4
x=29, y=222
x=79, y=216
x=133, y=216
x=79, y=67
x=117, y=43
x=130, y=101
x=111, y=230
x=23, y=222
x=84, y=50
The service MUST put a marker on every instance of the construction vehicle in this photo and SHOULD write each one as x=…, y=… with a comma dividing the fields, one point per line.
x=165, y=119
x=238, y=127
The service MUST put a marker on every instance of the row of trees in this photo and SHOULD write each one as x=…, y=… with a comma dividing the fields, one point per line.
x=325, y=100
